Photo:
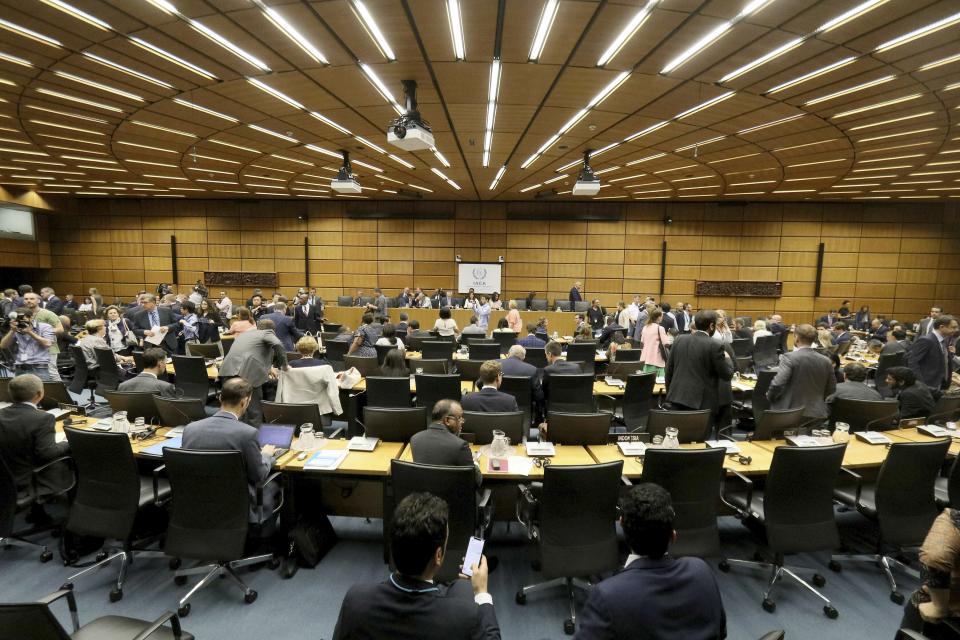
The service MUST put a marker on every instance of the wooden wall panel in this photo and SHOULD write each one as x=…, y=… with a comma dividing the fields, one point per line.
x=899, y=259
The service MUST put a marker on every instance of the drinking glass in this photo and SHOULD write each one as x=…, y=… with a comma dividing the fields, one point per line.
x=307, y=440
x=120, y=423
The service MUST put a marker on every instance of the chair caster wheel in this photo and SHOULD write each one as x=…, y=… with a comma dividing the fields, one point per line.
x=116, y=595
x=250, y=597
x=819, y=580
x=179, y=580
x=568, y=627
x=830, y=612
x=174, y=564
x=896, y=597
x=46, y=556
x=521, y=597
x=769, y=605
x=101, y=556
x=724, y=566
x=835, y=566
x=184, y=611
x=66, y=586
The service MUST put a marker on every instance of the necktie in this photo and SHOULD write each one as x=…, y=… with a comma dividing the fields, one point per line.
x=154, y=319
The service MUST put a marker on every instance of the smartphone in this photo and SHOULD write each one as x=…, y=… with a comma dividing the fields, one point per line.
x=495, y=464
x=472, y=557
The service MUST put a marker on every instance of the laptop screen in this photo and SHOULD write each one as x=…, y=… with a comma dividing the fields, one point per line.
x=279, y=435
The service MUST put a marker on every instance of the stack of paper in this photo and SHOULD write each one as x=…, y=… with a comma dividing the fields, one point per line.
x=632, y=449
x=326, y=460
x=729, y=445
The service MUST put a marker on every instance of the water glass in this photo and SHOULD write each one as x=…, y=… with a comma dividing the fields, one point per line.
x=671, y=440
x=139, y=424
x=307, y=440
x=419, y=370
x=120, y=423
x=841, y=432
x=657, y=440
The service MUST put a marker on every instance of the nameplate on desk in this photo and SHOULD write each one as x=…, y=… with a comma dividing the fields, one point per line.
x=631, y=449
x=935, y=431
x=873, y=437
x=536, y=449
x=361, y=443
x=157, y=449
x=326, y=460
x=729, y=445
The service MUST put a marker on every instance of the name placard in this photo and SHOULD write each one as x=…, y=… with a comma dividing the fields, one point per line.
x=739, y=288
x=240, y=279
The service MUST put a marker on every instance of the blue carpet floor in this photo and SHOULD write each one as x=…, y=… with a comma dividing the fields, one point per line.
x=307, y=605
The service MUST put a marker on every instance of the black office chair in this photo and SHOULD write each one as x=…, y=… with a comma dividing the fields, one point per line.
x=208, y=350
x=794, y=513
x=694, y=478
x=293, y=355
x=693, y=426
x=54, y=394
x=192, y=379
x=538, y=304
x=336, y=351
x=563, y=305
x=177, y=412
x=330, y=327
x=137, y=404
x=431, y=366
x=578, y=428
x=758, y=398
x=35, y=621
x=581, y=306
x=773, y=422
x=505, y=339
x=393, y=425
x=12, y=502
x=482, y=425
x=327, y=335
x=521, y=388
x=366, y=365
x=576, y=531
x=621, y=369
x=298, y=414
x=535, y=356
x=638, y=399
x=864, y=415
x=884, y=362
x=109, y=375
x=571, y=393
x=457, y=486
x=484, y=351
x=901, y=501
x=469, y=370
x=385, y=391
x=382, y=351
x=210, y=517
x=344, y=301
x=437, y=349
x=543, y=335
x=432, y=387
x=83, y=379
x=110, y=495
x=947, y=489
x=946, y=409
x=521, y=304
x=628, y=355
x=742, y=347
x=765, y=352
x=581, y=351
x=475, y=338
x=5, y=388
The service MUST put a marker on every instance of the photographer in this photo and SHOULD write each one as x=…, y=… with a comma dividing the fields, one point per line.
x=33, y=340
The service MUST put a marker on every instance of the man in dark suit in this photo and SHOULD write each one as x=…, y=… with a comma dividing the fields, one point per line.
x=283, y=326
x=148, y=380
x=555, y=366
x=828, y=320
x=490, y=398
x=669, y=320
x=440, y=443
x=854, y=387
x=134, y=307
x=916, y=400
x=696, y=365
x=576, y=294
x=513, y=365
x=439, y=299
x=665, y=597
x=926, y=324
x=152, y=319
x=606, y=336
x=930, y=357
x=410, y=605
x=740, y=330
x=49, y=300
x=804, y=377
x=840, y=333
x=224, y=431
x=684, y=318
x=307, y=316
x=28, y=438
x=257, y=355
x=878, y=330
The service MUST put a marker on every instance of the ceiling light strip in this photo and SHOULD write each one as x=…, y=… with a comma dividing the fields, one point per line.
x=544, y=25
x=713, y=35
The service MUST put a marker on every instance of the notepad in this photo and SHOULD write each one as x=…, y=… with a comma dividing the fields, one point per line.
x=614, y=382
x=156, y=338
x=540, y=449
x=59, y=413
x=157, y=449
x=361, y=443
x=803, y=441
x=326, y=460
x=935, y=431
x=176, y=432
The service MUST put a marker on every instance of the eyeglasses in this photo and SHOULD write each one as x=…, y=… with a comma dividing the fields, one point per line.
x=458, y=418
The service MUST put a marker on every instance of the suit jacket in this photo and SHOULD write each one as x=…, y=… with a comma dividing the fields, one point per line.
x=607, y=334
x=531, y=341
x=516, y=367
x=694, y=370
x=252, y=354
x=140, y=322
x=916, y=401
x=405, y=608
x=311, y=321
x=575, y=295
x=827, y=320
x=853, y=391
x=439, y=301
x=653, y=600
x=438, y=445
x=893, y=347
x=560, y=367
x=745, y=333
x=804, y=379
x=27, y=440
x=684, y=324
x=224, y=432
x=53, y=303
x=668, y=321
x=926, y=325
x=490, y=400
x=840, y=338
x=926, y=359
x=146, y=383
x=285, y=329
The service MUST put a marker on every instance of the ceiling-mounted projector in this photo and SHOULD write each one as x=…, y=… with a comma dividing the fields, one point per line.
x=410, y=132
x=345, y=182
x=587, y=184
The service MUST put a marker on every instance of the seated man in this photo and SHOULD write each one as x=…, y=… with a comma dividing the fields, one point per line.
x=440, y=443
x=854, y=386
x=409, y=605
x=612, y=328
x=490, y=398
x=916, y=400
x=531, y=340
x=655, y=596
x=896, y=342
x=416, y=332
x=148, y=380
x=223, y=431
x=474, y=329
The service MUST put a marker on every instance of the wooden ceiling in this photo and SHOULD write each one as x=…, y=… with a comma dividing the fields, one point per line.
x=98, y=103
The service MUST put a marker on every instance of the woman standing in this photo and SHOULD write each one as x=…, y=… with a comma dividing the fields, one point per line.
x=513, y=318
x=97, y=301
x=364, y=339
x=210, y=322
x=119, y=334
x=862, y=319
x=652, y=337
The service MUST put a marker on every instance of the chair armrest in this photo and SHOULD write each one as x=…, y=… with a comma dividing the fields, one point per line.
x=907, y=634
x=340, y=431
x=527, y=504
x=625, y=480
x=271, y=478
x=156, y=484
x=858, y=479
x=747, y=483
x=159, y=622
x=71, y=604
x=37, y=471
x=484, y=498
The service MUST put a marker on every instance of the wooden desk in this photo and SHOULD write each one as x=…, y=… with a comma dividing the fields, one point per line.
x=912, y=435
x=566, y=455
x=633, y=469
x=859, y=454
x=465, y=386
x=563, y=322
x=137, y=445
x=868, y=361
x=357, y=463
x=457, y=355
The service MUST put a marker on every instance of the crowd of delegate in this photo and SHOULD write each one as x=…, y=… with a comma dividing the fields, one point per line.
x=692, y=351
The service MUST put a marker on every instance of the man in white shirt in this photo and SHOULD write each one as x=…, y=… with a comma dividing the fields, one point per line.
x=633, y=311
x=225, y=305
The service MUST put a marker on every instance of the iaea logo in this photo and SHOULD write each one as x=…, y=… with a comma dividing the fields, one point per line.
x=479, y=273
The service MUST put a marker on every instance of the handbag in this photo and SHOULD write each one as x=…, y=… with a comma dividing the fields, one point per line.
x=130, y=338
x=348, y=379
x=662, y=348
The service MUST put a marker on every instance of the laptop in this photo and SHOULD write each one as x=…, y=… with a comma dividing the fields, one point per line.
x=279, y=435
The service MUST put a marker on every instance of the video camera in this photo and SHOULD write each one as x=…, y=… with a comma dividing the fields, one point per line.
x=14, y=319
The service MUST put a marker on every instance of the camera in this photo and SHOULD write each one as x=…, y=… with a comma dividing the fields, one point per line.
x=14, y=320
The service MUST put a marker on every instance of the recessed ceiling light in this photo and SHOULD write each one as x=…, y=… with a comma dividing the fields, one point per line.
x=279, y=95
x=213, y=36
x=811, y=75
x=291, y=32
x=455, y=20
x=169, y=57
x=919, y=33
x=497, y=177
x=878, y=105
x=381, y=87
x=177, y=132
x=77, y=13
x=29, y=33
x=771, y=55
x=211, y=112
x=273, y=133
x=6, y=57
x=73, y=98
x=99, y=85
x=847, y=16
x=127, y=70
x=628, y=31
x=713, y=35
x=330, y=123
x=67, y=126
x=849, y=90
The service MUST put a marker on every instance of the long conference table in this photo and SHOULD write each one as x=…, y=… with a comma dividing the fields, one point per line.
x=563, y=322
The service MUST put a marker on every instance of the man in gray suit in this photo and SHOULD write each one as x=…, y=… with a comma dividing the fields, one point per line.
x=853, y=387
x=896, y=342
x=256, y=356
x=224, y=431
x=148, y=380
x=440, y=443
x=804, y=379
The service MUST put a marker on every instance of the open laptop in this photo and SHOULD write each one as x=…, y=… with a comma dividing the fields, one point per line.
x=279, y=435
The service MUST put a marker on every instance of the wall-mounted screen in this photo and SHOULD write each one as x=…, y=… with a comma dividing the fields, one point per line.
x=482, y=277
x=16, y=224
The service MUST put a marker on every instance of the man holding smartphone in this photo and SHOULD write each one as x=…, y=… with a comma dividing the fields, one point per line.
x=410, y=605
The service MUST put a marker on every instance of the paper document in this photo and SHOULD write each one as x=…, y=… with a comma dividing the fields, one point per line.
x=157, y=449
x=540, y=449
x=4, y=405
x=873, y=437
x=60, y=436
x=729, y=445
x=326, y=460
x=156, y=338
x=803, y=441
x=740, y=386
x=632, y=449
x=176, y=432
x=58, y=413
x=361, y=443
x=520, y=465
x=935, y=431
